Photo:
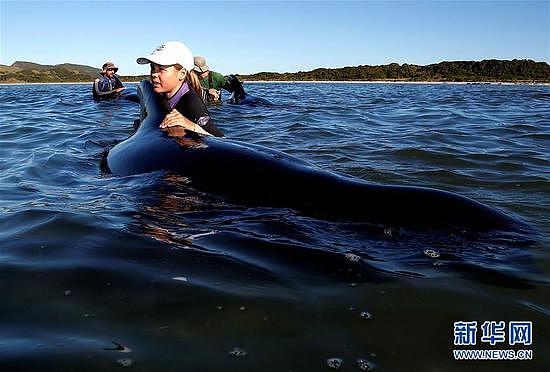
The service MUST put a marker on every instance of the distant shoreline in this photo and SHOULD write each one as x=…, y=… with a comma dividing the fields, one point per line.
x=395, y=82
x=328, y=82
x=66, y=83
x=487, y=71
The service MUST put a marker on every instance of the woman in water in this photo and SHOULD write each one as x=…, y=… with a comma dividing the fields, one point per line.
x=179, y=88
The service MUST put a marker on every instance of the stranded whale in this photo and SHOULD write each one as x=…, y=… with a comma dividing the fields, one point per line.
x=257, y=175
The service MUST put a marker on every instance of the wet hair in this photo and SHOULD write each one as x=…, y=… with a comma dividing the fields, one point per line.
x=192, y=79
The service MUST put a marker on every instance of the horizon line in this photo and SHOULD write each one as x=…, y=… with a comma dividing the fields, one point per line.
x=328, y=68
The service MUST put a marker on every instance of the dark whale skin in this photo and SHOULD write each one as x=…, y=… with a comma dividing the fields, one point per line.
x=257, y=175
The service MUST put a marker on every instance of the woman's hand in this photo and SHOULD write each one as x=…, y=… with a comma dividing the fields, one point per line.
x=174, y=118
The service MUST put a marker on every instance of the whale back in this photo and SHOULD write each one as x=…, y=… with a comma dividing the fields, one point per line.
x=253, y=174
x=148, y=148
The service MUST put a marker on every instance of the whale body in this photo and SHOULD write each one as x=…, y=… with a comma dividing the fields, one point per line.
x=256, y=175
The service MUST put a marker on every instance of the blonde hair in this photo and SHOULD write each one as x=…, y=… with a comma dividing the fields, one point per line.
x=192, y=79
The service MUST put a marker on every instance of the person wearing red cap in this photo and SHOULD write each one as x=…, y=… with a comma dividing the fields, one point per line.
x=108, y=85
x=179, y=89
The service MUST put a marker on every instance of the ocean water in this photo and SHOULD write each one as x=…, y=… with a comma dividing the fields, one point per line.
x=102, y=273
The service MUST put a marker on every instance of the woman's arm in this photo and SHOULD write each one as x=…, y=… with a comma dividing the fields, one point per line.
x=193, y=108
x=174, y=118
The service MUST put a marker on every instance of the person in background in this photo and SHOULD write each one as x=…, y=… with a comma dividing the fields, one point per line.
x=108, y=85
x=179, y=89
x=212, y=83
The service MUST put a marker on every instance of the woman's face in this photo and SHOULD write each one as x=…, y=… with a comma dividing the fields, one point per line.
x=166, y=79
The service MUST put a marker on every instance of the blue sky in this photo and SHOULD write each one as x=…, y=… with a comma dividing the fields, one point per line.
x=253, y=36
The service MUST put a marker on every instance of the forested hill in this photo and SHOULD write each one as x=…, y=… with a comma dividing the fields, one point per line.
x=29, y=72
x=460, y=71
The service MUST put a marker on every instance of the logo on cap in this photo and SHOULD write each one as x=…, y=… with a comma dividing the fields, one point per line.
x=160, y=48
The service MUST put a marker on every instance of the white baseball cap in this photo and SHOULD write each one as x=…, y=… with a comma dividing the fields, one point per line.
x=168, y=54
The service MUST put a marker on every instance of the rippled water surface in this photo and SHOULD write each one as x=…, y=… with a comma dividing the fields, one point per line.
x=101, y=272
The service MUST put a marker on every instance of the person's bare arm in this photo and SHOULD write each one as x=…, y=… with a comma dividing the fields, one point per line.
x=214, y=93
x=174, y=118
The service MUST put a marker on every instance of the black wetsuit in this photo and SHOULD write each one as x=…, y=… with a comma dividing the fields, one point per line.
x=193, y=108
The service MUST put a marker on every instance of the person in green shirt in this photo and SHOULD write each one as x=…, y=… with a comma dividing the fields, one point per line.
x=212, y=83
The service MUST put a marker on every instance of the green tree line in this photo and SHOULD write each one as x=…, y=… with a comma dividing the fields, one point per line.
x=460, y=71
